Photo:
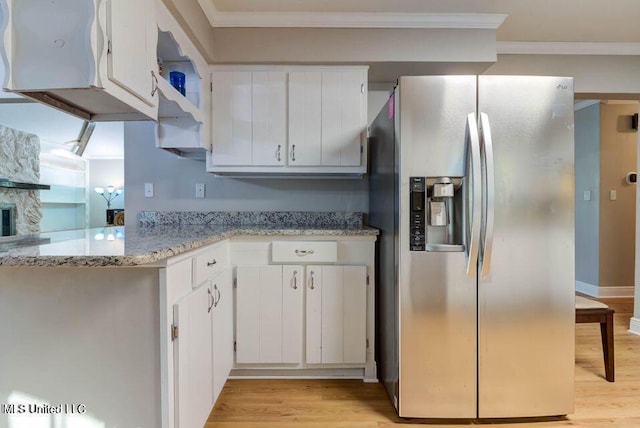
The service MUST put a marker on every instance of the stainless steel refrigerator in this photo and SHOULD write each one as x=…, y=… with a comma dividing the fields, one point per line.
x=472, y=186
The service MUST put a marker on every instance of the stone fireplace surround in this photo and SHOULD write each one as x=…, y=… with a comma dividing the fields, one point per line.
x=20, y=161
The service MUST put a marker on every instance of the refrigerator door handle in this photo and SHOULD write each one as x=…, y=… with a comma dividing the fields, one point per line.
x=475, y=208
x=489, y=206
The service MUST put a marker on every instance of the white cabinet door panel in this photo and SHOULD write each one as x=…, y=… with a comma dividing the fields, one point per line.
x=332, y=314
x=127, y=29
x=354, y=282
x=336, y=315
x=222, y=330
x=232, y=116
x=248, y=315
x=193, y=355
x=292, y=321
x=332, y=138
x=314, y=314
x=342, y=117
x=305, y=116
x=269, y=118
x=353, y=117
x=269, y=290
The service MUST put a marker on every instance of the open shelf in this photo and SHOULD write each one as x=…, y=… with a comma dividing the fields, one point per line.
x=175, y=105
x=183, y=120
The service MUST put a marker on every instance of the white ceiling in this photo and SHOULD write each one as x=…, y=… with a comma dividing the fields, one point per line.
x=528, y=20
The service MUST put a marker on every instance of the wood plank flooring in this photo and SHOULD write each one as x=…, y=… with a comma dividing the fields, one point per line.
x=354, y=404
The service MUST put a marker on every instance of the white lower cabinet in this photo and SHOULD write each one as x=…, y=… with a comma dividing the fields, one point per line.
x=202, y=333
x=336, y=314
x=269, y=314
x=193, y=352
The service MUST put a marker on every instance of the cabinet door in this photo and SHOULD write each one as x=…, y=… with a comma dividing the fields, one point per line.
x=305, y=100
x=192, y=358
x=269, y=314
x=222, y=330
x=130, y=25
x=292, y=321
x=259, y=314
x=314, y=314
x=269, y=118
x=343, y=117
x=231, y=118
x=336, y=314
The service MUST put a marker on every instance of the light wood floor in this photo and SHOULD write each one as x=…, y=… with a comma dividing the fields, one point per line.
x=353, y=404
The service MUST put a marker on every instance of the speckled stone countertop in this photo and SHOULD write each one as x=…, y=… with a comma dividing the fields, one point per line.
x=132, y=245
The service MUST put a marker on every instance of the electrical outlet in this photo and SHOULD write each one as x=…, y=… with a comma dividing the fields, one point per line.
x=148, y=190
x=199, y=190
x=587, y=195
x=613, y=195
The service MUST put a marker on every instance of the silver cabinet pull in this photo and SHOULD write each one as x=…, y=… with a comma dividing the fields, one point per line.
x=211, y=299
x=311, y=286
x=293, y=152
x=209, y=264
x=278, y=152
x=218, y=296
x=304, y=252
x=295, y=279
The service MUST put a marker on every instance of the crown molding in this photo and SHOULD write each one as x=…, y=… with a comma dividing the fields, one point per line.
x=209, y=9
x=567, y=48
x=218, y=19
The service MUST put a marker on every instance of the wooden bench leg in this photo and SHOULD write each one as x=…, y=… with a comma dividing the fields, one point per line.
x=606, y=331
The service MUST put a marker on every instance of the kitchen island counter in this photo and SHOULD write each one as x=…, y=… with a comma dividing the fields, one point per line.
x=132, y=246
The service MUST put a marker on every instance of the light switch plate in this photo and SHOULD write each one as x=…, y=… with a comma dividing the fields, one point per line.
x=613, y=195
x=148, y=190
x=199, y=190
x=587, y=195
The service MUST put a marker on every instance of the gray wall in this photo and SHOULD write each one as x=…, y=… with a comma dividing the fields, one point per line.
x=174, y=182
x=587, y=167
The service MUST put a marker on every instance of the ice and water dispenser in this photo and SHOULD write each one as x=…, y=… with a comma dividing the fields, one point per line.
x=436, y=210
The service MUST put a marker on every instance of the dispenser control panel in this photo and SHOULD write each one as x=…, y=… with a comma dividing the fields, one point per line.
x=417, y=213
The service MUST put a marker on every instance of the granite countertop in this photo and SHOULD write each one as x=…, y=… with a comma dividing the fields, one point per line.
x=132, y=245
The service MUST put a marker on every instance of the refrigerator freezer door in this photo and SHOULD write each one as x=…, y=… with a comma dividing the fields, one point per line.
x=526, y=300
x=437, y=298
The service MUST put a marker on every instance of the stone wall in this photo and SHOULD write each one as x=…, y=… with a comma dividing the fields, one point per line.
x=20, y=161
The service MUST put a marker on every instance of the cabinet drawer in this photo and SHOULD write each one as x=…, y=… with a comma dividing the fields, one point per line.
x=210, y=262
x=304, y=251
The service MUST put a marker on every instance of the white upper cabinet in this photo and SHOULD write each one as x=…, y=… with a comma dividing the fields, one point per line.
x=269, y=110
x=344, y=116
x=93, y=59
x=131, y=48
x=327, y=117
x=231, y=118
x=289, y=120
x=249, y=118
x=305, y=118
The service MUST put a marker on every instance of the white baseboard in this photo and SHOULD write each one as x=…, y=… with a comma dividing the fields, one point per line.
x=595, y=291
x=634, y=326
